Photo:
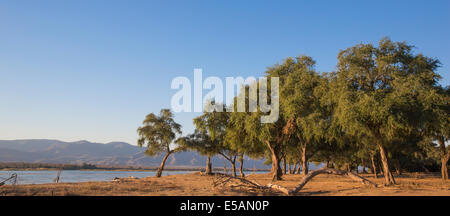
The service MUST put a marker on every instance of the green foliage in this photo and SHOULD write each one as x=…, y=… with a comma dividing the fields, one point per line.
x=158, y=132
x=379, y=89
x=381, y=98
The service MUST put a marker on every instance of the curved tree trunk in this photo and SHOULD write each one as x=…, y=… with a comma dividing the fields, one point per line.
x=299, y=167
x=388, y=177
x=241, y=166
x=161, y=167
x=305, y=161
x=276, y=169
x=323, y=170
x=208, y=170
x=444, y=159
x=232, y=160
x=374, y=167
x=295, y=168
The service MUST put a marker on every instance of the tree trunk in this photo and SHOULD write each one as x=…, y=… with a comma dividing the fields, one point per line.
x=388, y=177
x=276, y=169
x=241, y=166
x=444, y=159
x=398, y=168
x=208, y=170
x=363, y=166
x=374, y=167
x=233, y=165
x=225, y=168
x=380, y=168
x=299, y=167
x=295, y=168
x=323, y=170
x=161, y=167
x=284, y=165
x=305, y=161
x=232, y=160
x=290, y=168
x=348, y=168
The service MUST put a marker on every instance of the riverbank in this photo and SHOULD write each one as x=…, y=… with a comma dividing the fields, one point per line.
x=196, y=184
x=21, y=166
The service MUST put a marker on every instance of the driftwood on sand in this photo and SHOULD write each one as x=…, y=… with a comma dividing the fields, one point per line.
x=224, y=180
x=130, y=178
x=12, y=179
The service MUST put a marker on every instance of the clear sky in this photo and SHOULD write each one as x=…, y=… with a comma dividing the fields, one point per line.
x=91, y=70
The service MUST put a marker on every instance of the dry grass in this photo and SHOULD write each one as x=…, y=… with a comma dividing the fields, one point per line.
x=195, y=184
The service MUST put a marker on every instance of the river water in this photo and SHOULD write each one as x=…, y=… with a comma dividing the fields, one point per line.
x=48, y=176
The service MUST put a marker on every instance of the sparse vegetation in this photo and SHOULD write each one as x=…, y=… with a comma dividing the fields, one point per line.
x=197, y=184
x=382, y=111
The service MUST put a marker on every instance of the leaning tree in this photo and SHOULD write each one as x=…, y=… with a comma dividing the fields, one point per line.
x=273, y=135
x=157, y=134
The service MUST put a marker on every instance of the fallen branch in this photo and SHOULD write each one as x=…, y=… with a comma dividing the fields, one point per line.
x=279, y=188
x=12, y=179
x=330, y=171
x=223, y=180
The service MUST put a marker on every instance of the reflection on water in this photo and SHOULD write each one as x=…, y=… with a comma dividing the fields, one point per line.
x=47, y=176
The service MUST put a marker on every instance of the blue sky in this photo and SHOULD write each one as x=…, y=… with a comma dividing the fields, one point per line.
x=91, y=70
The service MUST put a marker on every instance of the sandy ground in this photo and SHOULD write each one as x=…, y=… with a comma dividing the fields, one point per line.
x=196, y=184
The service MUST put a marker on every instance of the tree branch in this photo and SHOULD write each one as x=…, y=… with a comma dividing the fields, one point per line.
x=303, y=182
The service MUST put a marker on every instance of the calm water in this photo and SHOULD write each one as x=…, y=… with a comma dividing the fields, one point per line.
x=47, y=176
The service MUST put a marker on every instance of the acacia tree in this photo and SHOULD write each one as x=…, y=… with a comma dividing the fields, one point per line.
x=214, y=124
x=269, y=135
x=378, y=91
x=272, y=135
x=201, y=142
x=438, y=125
x=237, y=137
x=301, y=96
x=157, y=134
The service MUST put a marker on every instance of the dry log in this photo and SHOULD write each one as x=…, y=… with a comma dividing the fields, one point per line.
x=12, y=179
x=279, y=188
x=330, y=171
x=324, y=170
x=225, y=179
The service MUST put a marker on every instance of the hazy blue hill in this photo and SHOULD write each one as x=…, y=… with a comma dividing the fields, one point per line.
x=113, y=153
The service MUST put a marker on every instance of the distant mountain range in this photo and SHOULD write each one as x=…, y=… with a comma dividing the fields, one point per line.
x=109, y=154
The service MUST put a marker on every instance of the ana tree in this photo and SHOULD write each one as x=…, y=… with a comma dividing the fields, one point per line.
x=157, y=134
x=300, y=99
x=438, y=127
x=214, y=124
x=201, y=142
x=272, y=135
x=378, y=92
x=237, y=138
